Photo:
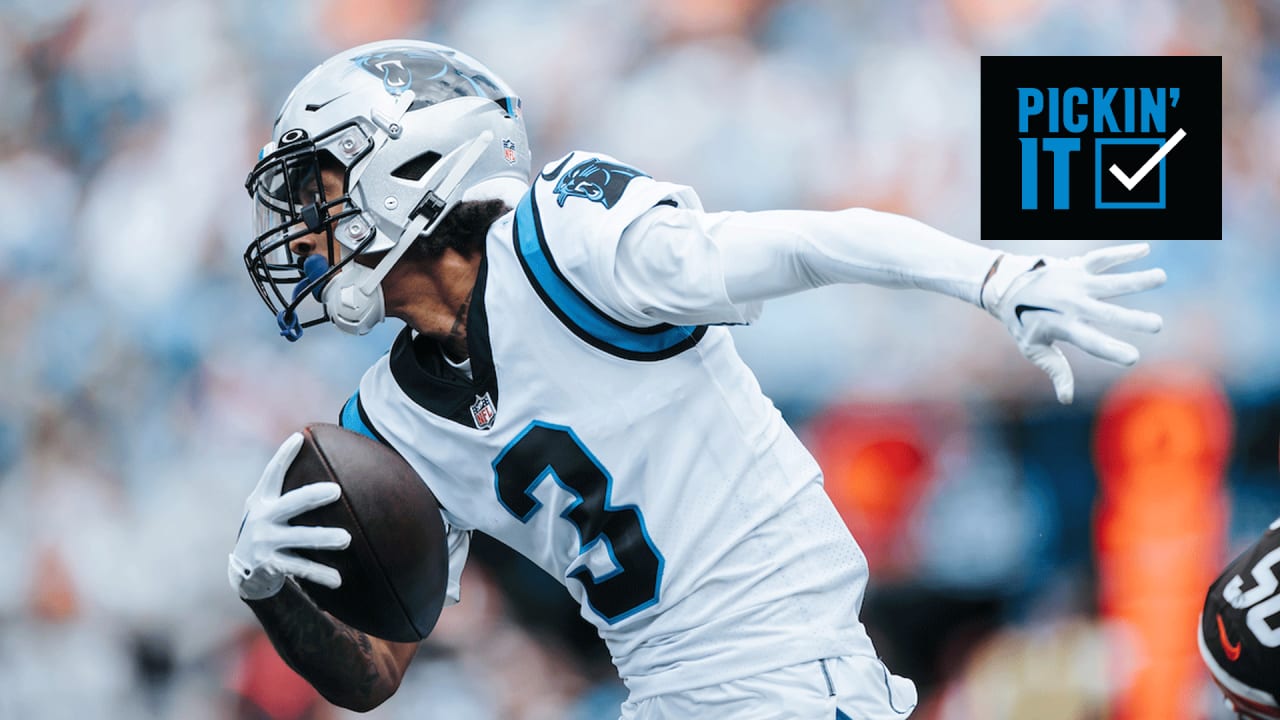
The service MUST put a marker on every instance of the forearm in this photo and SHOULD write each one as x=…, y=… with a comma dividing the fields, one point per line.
x=775, y=253
x=348, y=667
x=688, y=267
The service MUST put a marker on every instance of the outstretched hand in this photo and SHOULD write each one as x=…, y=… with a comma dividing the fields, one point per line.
x=1042, y=301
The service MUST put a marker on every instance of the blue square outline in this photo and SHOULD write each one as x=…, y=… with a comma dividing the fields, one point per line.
x=1098, y=204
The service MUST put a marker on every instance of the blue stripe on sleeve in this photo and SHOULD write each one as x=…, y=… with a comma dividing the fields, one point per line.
x=575, y=308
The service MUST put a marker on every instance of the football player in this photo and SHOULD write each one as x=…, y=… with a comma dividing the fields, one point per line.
x=1240, y=629
x=565, y=383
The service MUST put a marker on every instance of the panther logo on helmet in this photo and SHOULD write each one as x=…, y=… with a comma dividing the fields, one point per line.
x=408, y=69
x=597, y=181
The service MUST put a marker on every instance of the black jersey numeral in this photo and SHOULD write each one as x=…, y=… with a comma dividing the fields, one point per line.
x=545, y=451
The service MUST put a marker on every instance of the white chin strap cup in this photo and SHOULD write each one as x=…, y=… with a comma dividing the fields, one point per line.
x=354, y=299
x=350, y=308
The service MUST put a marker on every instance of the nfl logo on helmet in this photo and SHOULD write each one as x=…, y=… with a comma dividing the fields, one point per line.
x=509, y=151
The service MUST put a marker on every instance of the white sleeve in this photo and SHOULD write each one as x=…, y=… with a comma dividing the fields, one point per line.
x=670, y=267
x=684, y=266
x=459, y=543
x=588, y=202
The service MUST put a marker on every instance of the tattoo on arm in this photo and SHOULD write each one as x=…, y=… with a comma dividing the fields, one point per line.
x=342, y=663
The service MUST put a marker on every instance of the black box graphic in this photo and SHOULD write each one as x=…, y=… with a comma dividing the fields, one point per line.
x=1114, y=148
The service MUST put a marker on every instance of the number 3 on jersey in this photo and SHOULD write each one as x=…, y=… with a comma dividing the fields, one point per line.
x=544, y=451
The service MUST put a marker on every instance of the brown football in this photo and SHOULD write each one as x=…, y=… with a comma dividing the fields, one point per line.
x=395, y=571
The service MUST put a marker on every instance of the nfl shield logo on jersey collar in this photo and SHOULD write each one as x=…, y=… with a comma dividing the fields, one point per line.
x=483, y=412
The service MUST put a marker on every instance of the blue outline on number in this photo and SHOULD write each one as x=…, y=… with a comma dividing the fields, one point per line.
x=1098, y=204
x=583, y=546
x=608, y=544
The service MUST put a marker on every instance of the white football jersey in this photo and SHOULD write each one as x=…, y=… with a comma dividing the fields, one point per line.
x=640, y=466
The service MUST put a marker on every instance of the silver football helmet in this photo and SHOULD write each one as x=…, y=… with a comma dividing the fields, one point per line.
x=413, y=128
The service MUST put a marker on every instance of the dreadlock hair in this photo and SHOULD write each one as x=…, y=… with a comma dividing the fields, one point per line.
x=463, y=229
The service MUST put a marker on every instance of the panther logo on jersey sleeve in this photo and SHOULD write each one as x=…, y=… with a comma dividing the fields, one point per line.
x=597, y=181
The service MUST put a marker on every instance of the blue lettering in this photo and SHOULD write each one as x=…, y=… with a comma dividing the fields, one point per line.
x=1030, y=167
x=1102, y=114
x=1071, y=120
x=1128, y=110
x=1053, y=110
x=1030, y=102
x=1153, y=109
x=1062, y=149
x=1068, y=112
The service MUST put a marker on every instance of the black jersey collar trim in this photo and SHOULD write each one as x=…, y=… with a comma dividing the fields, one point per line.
x=419, y=367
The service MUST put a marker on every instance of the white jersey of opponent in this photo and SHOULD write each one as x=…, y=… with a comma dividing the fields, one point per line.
x=641, y=466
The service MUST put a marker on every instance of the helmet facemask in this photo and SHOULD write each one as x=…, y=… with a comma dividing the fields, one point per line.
x=291, y=203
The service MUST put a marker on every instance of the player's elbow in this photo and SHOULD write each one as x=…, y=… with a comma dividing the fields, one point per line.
x=370, y=683
x=366, y=690
x=362, y=699
x=363, y=705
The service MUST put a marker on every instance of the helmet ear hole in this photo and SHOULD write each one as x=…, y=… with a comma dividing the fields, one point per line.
x=416, y=168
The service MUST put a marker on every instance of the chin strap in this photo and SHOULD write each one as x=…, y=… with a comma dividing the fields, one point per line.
x=353, y=299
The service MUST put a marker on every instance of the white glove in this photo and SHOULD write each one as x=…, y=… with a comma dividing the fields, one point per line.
x=262, y=558
x=1043, y=300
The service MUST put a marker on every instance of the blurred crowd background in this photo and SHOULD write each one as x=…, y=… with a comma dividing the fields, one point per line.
x=1028, y=560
